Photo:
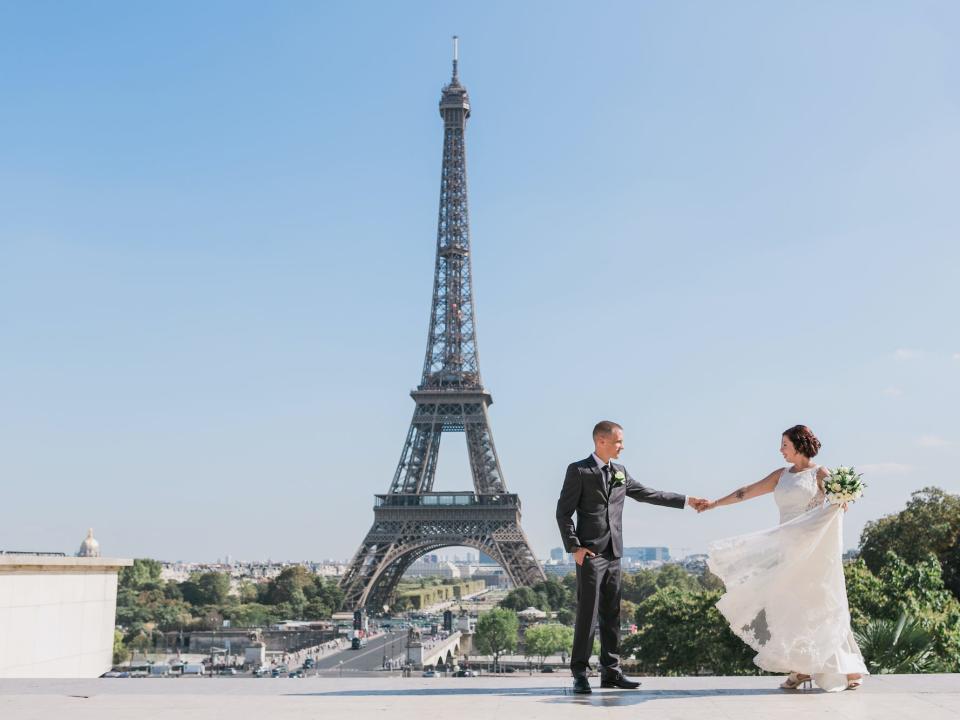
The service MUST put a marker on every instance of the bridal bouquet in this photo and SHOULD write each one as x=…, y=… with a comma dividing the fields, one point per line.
x=843, y=486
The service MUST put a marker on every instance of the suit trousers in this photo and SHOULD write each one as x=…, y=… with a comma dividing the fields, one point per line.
x=598, y=599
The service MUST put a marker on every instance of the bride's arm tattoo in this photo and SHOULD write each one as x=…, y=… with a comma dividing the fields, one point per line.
x=747, y=492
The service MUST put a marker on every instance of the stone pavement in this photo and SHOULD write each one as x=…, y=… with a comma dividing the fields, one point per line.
x=886, y=697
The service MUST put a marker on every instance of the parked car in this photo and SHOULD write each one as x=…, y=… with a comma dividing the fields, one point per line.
x=430, y=673
x=465, y=673
x=296, y=674
x=196, y=669
x=228, y=671
x=546, y=668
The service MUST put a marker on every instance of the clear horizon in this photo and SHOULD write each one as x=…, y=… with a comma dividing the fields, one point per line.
x=705, y=222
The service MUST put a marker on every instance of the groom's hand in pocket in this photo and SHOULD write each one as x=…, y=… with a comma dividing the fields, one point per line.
x=581, y=554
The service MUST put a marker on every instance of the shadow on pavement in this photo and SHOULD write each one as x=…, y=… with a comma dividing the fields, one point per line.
x=557, y=694
x=614, y=698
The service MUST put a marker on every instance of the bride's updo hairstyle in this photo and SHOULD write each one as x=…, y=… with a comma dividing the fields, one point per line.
x=803, y=440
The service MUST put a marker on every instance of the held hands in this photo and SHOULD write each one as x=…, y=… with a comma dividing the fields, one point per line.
x=699, y=504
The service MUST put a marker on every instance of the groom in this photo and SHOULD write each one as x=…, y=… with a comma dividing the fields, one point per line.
x=594, y=489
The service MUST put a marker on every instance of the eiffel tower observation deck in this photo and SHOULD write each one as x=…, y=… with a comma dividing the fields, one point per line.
x=411, y=519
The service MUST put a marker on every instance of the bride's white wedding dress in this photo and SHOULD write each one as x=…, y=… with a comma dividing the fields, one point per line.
x=786, y=597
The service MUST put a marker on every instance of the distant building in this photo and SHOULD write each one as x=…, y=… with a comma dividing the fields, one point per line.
x=559, y=569
x=426, y=568
x=89, y=547
x=646, y=554
x=467, y=570
x=494, y=577
x=557, y=554
x=694, y=563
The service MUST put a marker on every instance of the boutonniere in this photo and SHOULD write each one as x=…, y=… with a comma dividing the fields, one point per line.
x=618, y=478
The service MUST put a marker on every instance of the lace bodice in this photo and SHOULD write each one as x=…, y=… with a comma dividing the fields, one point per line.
x=797, y=492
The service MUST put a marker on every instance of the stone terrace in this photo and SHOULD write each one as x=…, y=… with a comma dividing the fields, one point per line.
x=888, y=697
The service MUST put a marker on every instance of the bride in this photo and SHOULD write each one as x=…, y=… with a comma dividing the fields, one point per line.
x=786, y=597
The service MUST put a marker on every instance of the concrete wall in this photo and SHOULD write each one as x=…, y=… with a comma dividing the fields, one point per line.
x=57, y=615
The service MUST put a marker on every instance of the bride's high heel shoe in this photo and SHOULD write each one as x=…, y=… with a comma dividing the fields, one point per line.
x=795, y=681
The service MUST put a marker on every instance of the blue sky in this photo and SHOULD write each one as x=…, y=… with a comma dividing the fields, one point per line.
x=706, y=221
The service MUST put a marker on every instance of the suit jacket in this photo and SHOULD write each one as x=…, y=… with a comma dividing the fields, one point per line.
x=599, y=520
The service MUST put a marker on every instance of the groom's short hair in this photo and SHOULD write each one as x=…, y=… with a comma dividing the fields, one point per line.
x=605, y=428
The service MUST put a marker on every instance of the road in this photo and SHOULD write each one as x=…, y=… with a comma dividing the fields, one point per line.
x=366, y=658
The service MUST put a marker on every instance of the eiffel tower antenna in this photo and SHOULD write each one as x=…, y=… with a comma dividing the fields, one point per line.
x=456, y=58
x=411, y=520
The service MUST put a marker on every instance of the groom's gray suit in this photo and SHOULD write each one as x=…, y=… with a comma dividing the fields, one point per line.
x=596, y=497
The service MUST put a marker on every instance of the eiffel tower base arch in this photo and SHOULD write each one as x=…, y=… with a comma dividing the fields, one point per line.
x=406, y=527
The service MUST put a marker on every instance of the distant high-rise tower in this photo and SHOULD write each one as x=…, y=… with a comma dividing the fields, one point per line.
x=412, y=519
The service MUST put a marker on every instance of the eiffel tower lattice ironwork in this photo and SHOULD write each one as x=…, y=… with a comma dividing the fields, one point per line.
x=411, y=519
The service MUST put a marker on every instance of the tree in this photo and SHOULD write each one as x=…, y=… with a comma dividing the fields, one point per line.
x=637, y=587
x=120, y=652
x=209, y=588
x=143, y=572
x=865, y=593
x=251, y=615
x=929, y=523
x=328, y=592
x=897, y=587
x=290, y=586
x=316, y=609
x=900, y=646
x=551, y=594
x=547, y=639
x=557, y=594
x=215, y=587
x=171, y=614
x=680, y=632
x=139, y=639
x=523, y=597
x=248, y=592
x=640, y=585
x=496, y=633
x=913, y=589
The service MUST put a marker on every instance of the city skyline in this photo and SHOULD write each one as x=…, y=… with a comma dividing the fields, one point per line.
x=218, y=238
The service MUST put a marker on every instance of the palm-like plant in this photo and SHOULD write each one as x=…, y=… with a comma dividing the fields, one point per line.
x=901, y=646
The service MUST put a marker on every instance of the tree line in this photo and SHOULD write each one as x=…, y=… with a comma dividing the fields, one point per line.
x=148, y=606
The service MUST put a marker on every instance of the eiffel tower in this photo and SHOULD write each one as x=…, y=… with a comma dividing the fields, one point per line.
x=411, y=519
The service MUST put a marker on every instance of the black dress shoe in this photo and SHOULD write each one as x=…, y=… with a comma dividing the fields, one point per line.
x=581, y=685
x=618, y=681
